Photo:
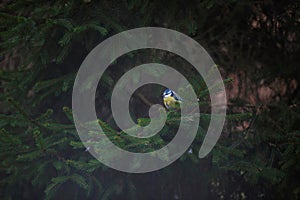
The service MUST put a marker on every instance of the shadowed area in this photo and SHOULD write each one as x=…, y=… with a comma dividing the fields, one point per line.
x=256, y=48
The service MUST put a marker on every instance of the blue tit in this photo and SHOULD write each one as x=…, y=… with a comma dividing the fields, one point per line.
x=171, y=99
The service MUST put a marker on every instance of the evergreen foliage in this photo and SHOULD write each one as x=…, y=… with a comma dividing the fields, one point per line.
x=43, y=44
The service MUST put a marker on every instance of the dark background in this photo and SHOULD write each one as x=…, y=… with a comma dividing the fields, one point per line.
x=256, y=47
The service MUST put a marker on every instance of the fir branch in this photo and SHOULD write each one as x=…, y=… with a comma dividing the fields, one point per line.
x=22, y=112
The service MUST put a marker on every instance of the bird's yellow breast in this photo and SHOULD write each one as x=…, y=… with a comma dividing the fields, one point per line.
x=170, y=101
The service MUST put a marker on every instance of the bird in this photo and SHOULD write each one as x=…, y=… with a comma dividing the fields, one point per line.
x=171, y=99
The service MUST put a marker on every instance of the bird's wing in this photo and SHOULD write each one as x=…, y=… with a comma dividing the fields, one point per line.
x=177, y=97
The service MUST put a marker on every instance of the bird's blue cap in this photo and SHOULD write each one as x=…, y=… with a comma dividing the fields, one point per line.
x=167, y=91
